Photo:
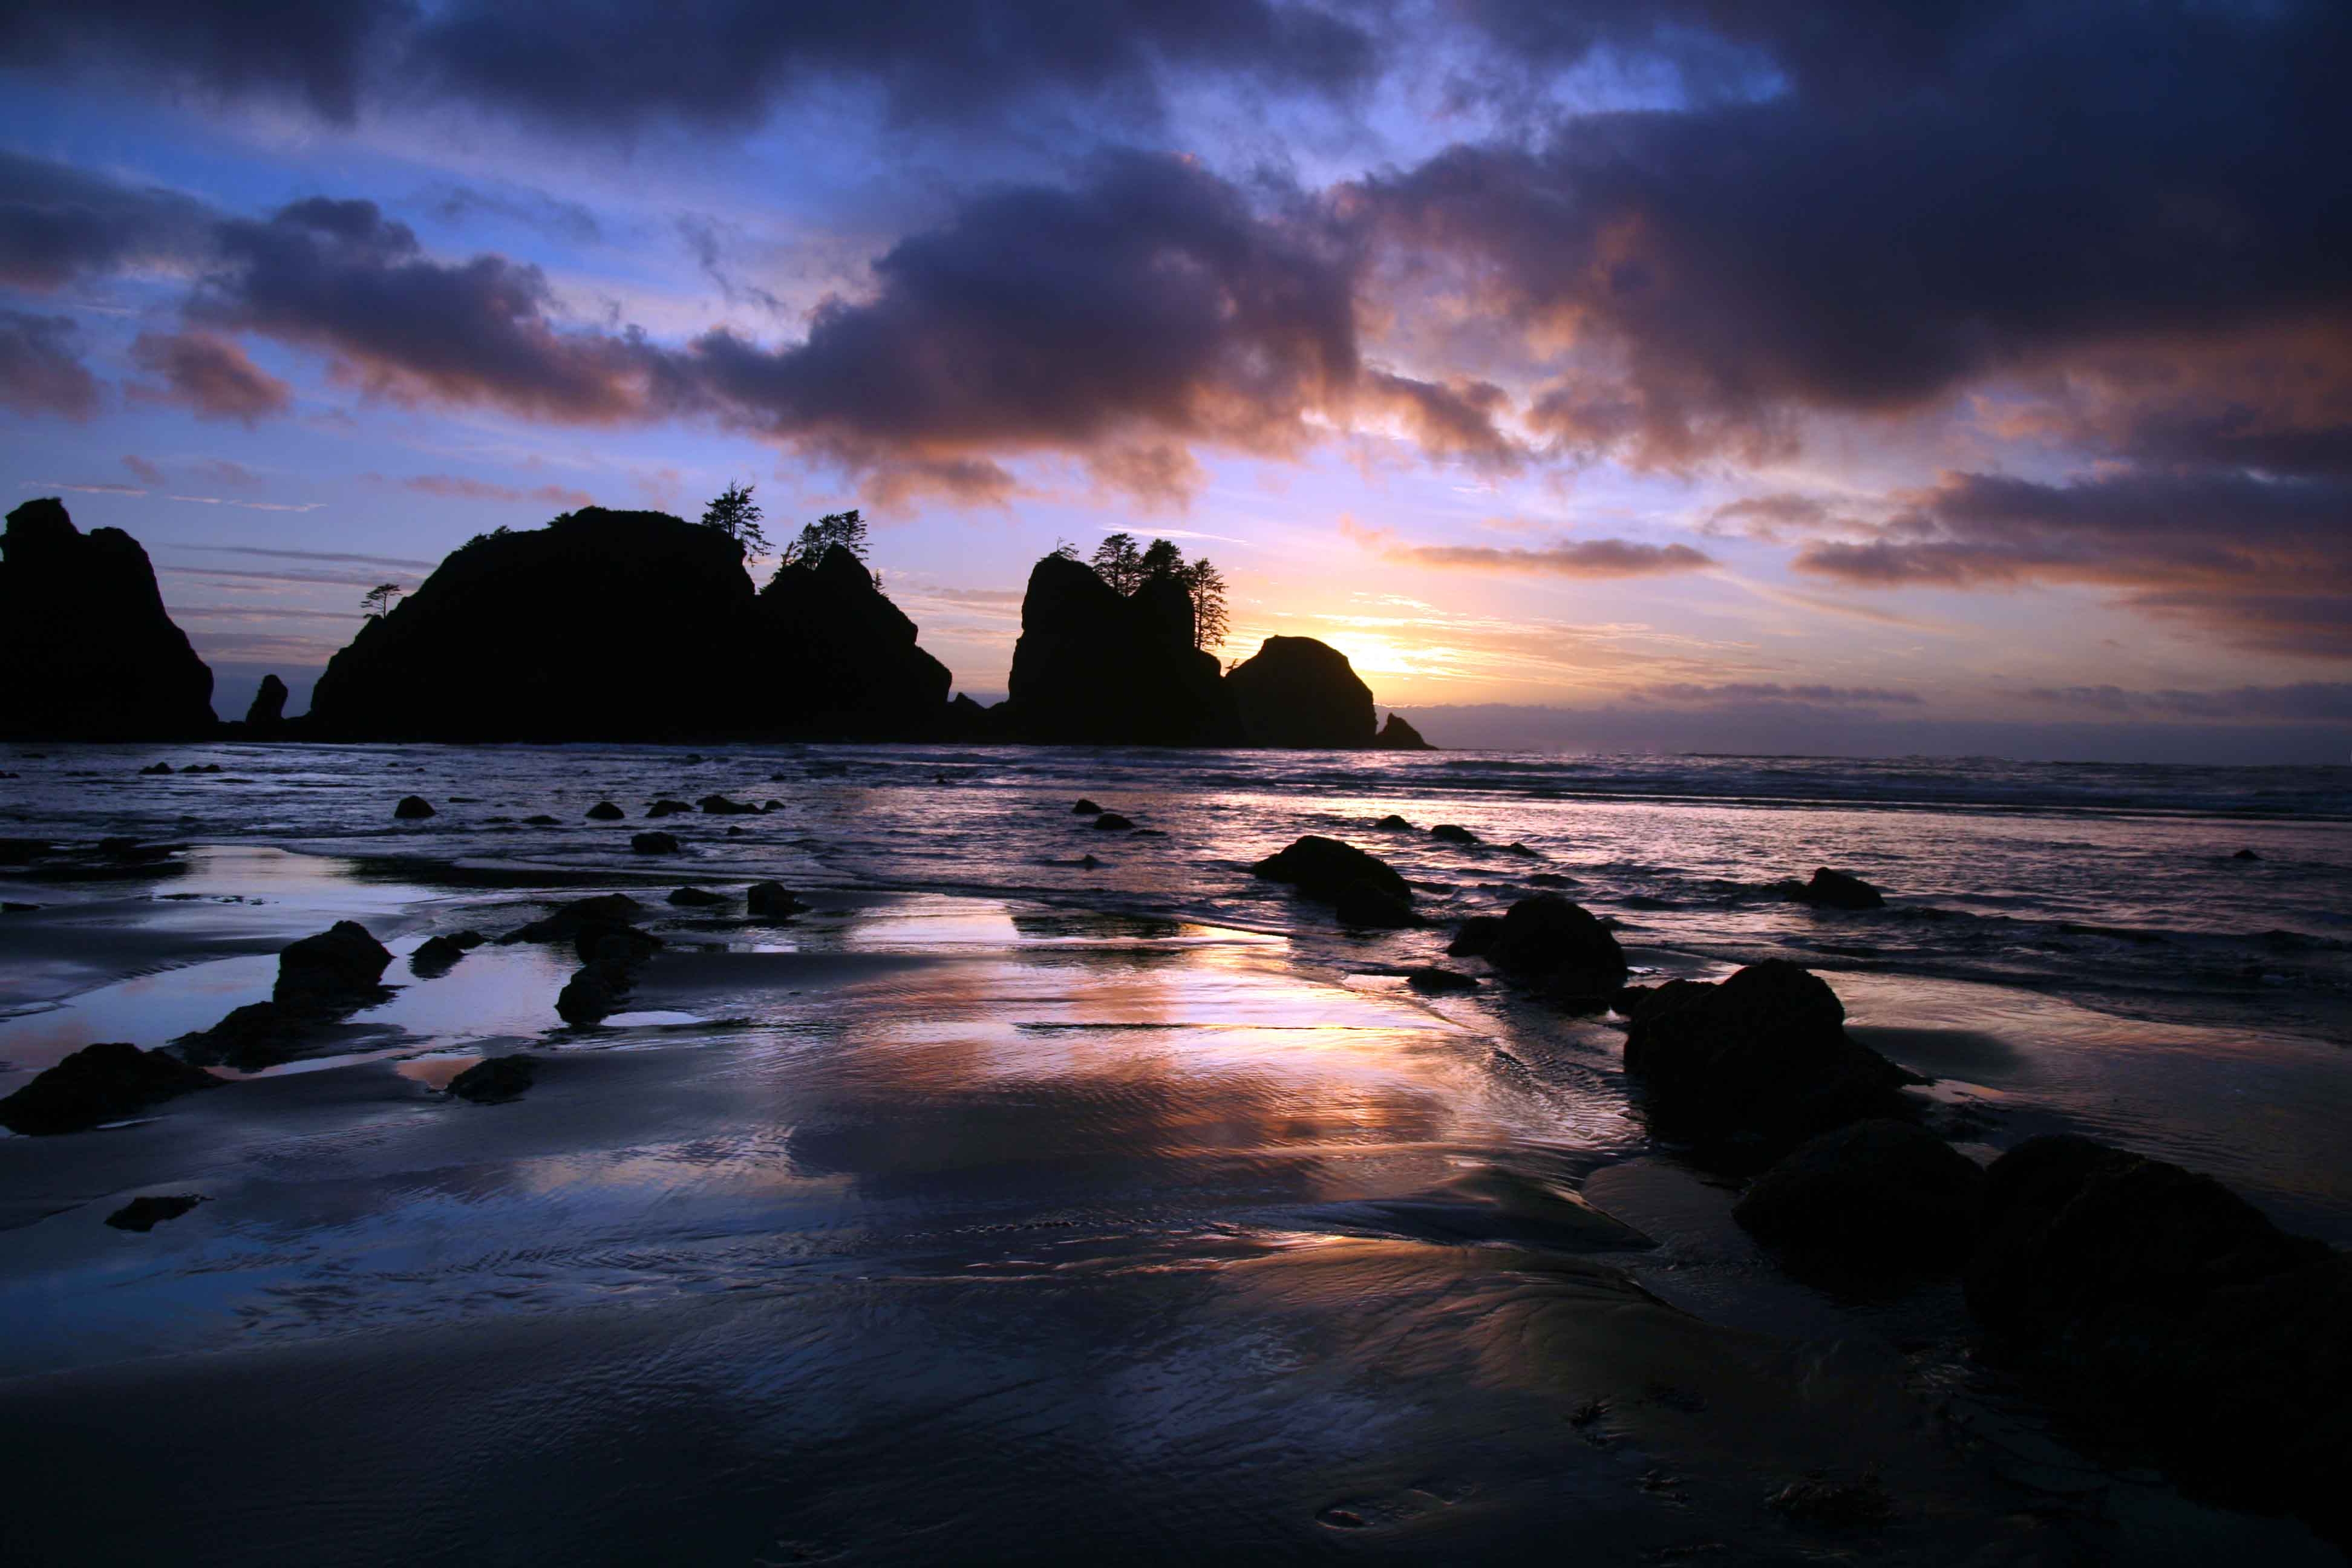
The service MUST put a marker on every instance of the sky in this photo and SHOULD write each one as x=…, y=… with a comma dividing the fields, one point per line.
x=1689, y=374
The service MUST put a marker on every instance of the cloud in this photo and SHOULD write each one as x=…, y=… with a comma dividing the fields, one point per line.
x=396, y=563
x=456, y=488
x=1597, y=558
x=39, y=372
x=58, y=223
x=2265, y=563
x=2305, y=701
x=1772, y=691
x=141, y=469
x=208, y=375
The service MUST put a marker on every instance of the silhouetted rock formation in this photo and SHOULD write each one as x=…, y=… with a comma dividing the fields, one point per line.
x=1761, y=1059
x=1834, y=890
x=844, y=655
x=86, y=650
x=1364, y=889
x=338, y=967
x=98, y=1084
x=1880, y=1196
x=266, y=715
x=1297, y=692
x=2170, y=1307
x=413, y=808
x=1549, y=942
x=1097, y=668
x=1396, y=735
x=630, y=625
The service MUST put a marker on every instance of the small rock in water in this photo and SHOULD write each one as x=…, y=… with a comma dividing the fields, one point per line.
x=340, y=965
x=721, y=805
x=413, y=807
x=1474, y=937
x=1085, y=808
x=1551, y=879
x=98, y=1083
x=1833, y=1505
x=697, y=897
x=1835, y=890
x=495, y=1080
x=1392, y=823
x=1374, y=908
x=605, y=811
x=1523, y=851
x=468, y=938
x=1088, y=862
x=14, y=907
x=1877, y=1196
x=654, y=843
x=145, y=1214
x=1436, y=982
x=600, y=941
x=436, y=956
x=1110, y=820
x=770, y=901
x=668, y=808
x=1453, y=833
x=542, y=820
x=157, y=768
x=1323, y=869
x=2245, y=854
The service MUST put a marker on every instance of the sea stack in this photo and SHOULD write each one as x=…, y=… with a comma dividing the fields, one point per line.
x=87, y=652
x=856, y=670
x=1299, y=692
x=1095, y=667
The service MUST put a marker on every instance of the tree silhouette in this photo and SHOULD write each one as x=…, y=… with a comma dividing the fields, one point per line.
x=377, y=601
x=1119, y=563
x=1207, y=586
x=734, y=513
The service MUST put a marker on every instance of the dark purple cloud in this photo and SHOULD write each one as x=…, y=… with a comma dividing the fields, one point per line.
x=1595, y=558
x=1744, y=691
x=208, y=375
x=2306, y=701
x=57, y=222
x=39, y=371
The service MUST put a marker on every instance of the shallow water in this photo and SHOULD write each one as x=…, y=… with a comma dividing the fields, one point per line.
x=995, y=1209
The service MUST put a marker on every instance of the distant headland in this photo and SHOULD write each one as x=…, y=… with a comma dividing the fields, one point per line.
x=643, y=626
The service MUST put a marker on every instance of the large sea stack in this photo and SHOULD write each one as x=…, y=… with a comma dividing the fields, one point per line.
x=847, y=653
x=1297, y=692
x=627, y=626
x=1095, y=667
x=86, y=650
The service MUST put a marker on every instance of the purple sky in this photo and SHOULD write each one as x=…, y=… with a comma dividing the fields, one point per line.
x=1711, y=373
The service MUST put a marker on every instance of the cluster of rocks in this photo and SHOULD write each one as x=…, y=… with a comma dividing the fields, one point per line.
x=321, y=980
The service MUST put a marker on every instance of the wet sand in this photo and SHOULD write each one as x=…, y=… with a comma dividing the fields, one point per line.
x=942, y=1228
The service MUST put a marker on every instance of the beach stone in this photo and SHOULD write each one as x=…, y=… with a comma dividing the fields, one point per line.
x=255, y=1036
x=495, y=1080
x=153, y=769
x=1879, y=1195
x=2176, y=1314
x=770, y=901
x=436, y=955
x=654, y=843
x=97, y=1084
x=565, y=923
x=342, y=964
x=1474, y=937
x=1437, y=981
x=1323, y=869
x=668, y=808
x=592, y=993
x=1761, y=1059
x=2245, y=854
x=721, y=805
x=1392, y=823
x=413, y=808
x=1550, y=880
x=768, y=806
x=1524, y=851
x=1111, y=821
x=144, y=1213
x=600, y=941
x=697, y=897
x=605, y=811
x=1833, y=1505
x=467, y=938
x=1453, y=833
x=544, y=820
x=1085, y=808
x=1362, y=904
x=1088, y=862
x=1546, y=937
x=1835, y=890
x=1396, y=735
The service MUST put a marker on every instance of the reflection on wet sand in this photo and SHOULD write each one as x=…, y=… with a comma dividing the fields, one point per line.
x=957, y=1233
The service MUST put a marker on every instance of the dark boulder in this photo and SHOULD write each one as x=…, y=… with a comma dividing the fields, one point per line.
x=1438, y=981
x=339, y=966
x=267, y=714
x=144, y=1213
x=1547, y=940
x=770, y=901
x=86, y=651
x=1111, y=821
x=1760, y=1060
x=599, y=940
x=2245, y=854
x=1323, y=868
x=721, y=805
x=1474, y=937
x=1392, y=823
x=1085, y=808
x=2172, y=1309
x=495, y=1080
x=1396, y=735
x=696, y=897
x=1095, y=667
x=255, y=1036
x=1299, y=692
x=1877, y=1196
x=98, y=1084
x=1835, y=890
x=668, y=808
x=1375, y=909
x=154, y=770
x=542, y=820
x=412, y=808
x=605, y=811
x=592, y=994
x=436, y=955
x=618, y=908
x=654, y=843
x=1453, y=833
